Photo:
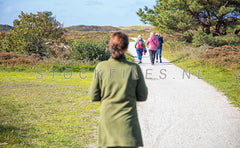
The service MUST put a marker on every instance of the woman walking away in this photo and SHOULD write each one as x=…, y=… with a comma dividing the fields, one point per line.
x=118, y=84
x=152, y=43
x=139, y=45
x=159, y=48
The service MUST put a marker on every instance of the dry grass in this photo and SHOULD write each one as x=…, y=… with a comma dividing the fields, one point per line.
x=17, y=59
x=225, y=56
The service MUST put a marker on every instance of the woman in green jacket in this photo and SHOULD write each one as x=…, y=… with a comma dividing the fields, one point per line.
x=118, y=84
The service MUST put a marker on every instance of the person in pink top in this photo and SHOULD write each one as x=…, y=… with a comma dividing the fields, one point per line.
x=152, y=44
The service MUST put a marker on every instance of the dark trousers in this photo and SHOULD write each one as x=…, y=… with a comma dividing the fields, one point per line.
x=121, y=147
x=152, y=54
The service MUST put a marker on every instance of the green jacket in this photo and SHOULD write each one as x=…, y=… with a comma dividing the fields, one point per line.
x=118, y=84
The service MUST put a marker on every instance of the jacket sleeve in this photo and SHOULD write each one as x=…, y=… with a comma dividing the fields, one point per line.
x=95, y=90
x=156, y=42
x=147, y=42
x=142, y=90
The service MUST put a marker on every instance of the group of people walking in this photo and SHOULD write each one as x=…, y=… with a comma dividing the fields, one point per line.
x=154, y=43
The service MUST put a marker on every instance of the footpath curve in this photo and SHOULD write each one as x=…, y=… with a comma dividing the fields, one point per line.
x=183, y=112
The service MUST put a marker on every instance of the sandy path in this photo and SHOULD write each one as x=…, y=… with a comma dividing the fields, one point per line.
x=184, y=113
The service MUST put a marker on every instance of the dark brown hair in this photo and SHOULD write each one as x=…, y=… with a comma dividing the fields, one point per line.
x=118, y=44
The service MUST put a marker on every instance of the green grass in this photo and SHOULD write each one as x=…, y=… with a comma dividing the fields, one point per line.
x=131, y=40
x=129, y=57
x=223, y=79
x=46, y=112
x=46, y=68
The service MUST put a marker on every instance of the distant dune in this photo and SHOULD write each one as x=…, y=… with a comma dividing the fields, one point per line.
x=86, y=28
x=5, y=28
x=137, y=28
x=106, y=28
x=91, y=28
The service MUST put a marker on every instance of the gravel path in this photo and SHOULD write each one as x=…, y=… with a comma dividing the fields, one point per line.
x=184, y=112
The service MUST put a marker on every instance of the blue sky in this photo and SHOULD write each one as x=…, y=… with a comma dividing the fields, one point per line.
x=78, y=12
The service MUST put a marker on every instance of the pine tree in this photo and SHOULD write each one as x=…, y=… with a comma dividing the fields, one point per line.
x=213, y=16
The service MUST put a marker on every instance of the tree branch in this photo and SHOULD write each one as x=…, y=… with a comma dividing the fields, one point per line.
x=226, y=3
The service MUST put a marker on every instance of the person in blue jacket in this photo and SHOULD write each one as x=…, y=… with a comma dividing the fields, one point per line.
x=159, y=48
x=139, y=45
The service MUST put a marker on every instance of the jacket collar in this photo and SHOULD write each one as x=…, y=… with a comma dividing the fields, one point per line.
x=121, y=59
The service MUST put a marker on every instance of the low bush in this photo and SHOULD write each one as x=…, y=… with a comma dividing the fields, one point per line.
x=89, y=50
x=201, y=38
